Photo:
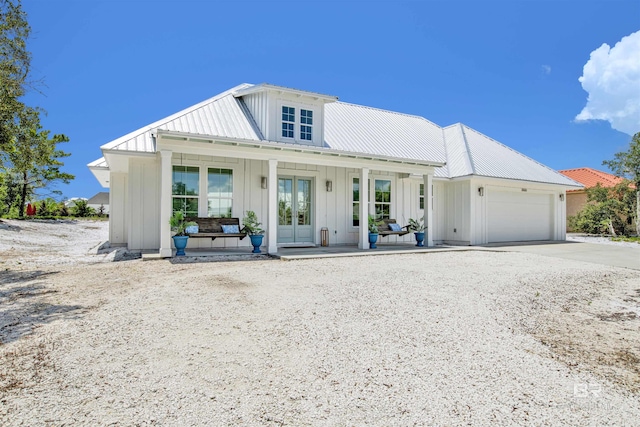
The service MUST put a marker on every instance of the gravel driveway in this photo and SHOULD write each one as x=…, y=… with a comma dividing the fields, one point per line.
x=460, y=338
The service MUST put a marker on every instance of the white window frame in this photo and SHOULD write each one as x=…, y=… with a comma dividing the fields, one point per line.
x=178, y=196
x=207, y=197
x=371, y=207
x=306, y=128
x=291, y=123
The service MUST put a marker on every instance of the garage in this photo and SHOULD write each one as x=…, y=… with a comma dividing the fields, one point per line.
x=519, y=216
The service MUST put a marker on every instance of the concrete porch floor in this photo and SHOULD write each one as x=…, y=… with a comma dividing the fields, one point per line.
x=336, y=251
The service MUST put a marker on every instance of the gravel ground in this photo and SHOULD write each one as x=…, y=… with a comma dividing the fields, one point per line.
x=458, y=338
x=600, y=240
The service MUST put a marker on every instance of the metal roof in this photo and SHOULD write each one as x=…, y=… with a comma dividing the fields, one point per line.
x=493, y=159
x=223, y=115
x=351, y=128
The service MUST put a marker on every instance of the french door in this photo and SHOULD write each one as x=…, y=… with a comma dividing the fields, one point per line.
x=295, y=210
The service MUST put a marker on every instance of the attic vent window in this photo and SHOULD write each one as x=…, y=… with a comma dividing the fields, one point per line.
x=306, y=122
x=288, y=120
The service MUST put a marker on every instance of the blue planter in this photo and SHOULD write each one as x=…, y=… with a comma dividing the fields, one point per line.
x=419, y=238
x=180, y=242
x=373, y=238
x=256, y=241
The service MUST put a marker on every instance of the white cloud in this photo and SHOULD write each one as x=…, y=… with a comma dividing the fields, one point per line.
x=611, y=77
x=546, y=69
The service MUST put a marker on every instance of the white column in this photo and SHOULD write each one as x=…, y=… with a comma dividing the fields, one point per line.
x=165, y=203
x=272, y=206
x=363, y=238
x=428, y=208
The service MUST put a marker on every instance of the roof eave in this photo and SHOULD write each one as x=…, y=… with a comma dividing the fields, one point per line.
x=264, y=87
x=297, y=148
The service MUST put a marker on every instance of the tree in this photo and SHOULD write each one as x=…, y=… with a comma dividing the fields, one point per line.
x=29, y=159
x=626, y=164
x=33, y=157
x=609, y=210
x=15, y=62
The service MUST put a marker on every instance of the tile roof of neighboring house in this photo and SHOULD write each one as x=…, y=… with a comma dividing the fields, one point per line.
x=357, y=129
x=589, y=177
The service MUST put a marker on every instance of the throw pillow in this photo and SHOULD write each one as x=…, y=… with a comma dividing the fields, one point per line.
x=192, y=229
x=230, y=229
x=395, y=227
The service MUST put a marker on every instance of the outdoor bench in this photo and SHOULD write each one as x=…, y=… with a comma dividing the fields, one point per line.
x=385, y=230
x=212, y=228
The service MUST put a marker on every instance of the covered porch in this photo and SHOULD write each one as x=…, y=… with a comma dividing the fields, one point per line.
x=263, y=169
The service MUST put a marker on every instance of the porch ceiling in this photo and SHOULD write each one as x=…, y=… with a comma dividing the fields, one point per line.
x=260, y=150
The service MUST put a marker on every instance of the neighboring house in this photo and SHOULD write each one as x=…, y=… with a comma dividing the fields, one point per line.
x=71, y=203
x=302, y=161
x=100, y=200
x=588, y=177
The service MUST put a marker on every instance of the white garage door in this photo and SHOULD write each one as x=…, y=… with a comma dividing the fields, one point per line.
x=519, y=216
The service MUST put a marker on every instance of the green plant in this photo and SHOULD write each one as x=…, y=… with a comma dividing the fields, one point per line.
x=373, y=224
x=416, y=225
x=251, y=223
x=82, y=209
x=179, y=224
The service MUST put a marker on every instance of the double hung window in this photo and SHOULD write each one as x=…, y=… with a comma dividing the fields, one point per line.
x=186, y=182
x=306, y=123
x=288, y=121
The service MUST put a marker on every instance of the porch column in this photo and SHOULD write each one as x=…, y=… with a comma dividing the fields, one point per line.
x=428, y=208
x=363, y=238
x=272, y=206
x=165, y=203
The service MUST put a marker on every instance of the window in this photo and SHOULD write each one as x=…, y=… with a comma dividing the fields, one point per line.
x=219, y=192
x=382, y=199
x=288, y=120
x=306, y=122
x=356, y=202
x=421, y=196
x=186, y=181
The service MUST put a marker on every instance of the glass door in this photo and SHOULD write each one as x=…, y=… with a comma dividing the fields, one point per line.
x=295, y=210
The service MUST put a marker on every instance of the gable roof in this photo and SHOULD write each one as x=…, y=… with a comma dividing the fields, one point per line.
x=589, y=177
x=223, y=116
x=355, y=129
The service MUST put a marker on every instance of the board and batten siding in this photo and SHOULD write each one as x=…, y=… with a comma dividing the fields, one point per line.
x=266, y=110
x=144, y=204
x=258, y=106
x=453, y=212
x=118, y=202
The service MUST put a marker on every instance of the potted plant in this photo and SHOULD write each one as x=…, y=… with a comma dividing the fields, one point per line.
x=373, y=231
x=179, y=226
x=417, y=226
x=252, y=227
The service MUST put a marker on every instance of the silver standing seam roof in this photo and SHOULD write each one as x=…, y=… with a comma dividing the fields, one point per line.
x=356, y=129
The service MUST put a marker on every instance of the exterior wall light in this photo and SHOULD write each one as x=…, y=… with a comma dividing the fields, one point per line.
x=329, y=185
x=480, y=191
x=263, y=182
x=562, y=197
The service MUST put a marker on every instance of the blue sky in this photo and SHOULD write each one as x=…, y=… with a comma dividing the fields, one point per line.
x=508, y=69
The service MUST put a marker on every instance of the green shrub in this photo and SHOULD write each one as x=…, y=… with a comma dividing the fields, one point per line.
x=82, y=209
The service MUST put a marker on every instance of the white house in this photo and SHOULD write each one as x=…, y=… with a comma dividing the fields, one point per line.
x=100, y=202
x=302, y=161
